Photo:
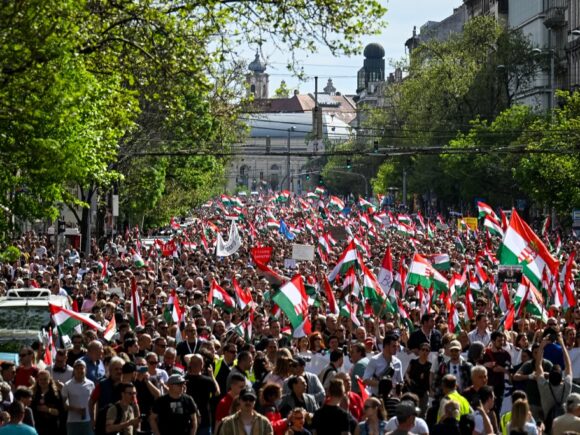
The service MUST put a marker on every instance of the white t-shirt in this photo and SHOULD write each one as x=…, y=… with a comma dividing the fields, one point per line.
x=419, y=428
x=78, y=394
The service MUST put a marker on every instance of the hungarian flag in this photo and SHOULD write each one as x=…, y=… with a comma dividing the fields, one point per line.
x=226, y=200
x=469, y=303
x=521, y=246
x=365, y=221
x=493, y=225
x=348, y=259
x=173, y=310
x=505, y=301
x=421, y=220
x=546, y=227
x=405, y=230
x=320, y=191
x=528, y=299
x=441, y=261
x=237, y=202
x=336, y=203
x=405, y=218
x=273, y=224
x=373, y=291
x=283, y=196
x=350, y=282
x=485, y=210
x=218, y=297
x=244, y=297
x=365, y=205
x=423, y=273
x=332, y=307
x=349, y=311
x=364, y=395
x=110, y=330
x=67, y=321
x=504, y=221
x=270, y=275
x=311, y=195
x=137, y=259
x=293, y=301
x=135, y=304
x=385, y=277
x=569, y=281
x=453, y=321
x=401, y=278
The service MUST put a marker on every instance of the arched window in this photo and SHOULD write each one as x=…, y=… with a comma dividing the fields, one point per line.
x=274, y=168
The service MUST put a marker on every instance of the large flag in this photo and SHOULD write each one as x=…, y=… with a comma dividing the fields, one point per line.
x=225, y=249
x=67, y=321
x=423, y=273
x=365, y=205
x=293, y=301
x=441, y=261
x=219, y=297
x=528, y=299
x=521, y=246
x=348, y=259
x=385, y=277
x=373, y=291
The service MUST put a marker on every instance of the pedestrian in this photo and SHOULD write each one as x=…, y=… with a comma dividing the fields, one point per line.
x=174, y=413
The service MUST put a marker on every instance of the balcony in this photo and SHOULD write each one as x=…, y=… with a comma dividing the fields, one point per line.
x=555, y=11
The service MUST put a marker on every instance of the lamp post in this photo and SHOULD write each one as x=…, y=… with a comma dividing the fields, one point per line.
x=290, y=130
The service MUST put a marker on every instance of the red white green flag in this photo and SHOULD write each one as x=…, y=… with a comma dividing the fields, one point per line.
x=485, y=210
x=521, y=246
x=332, y=307
x=348, y=259
x=244, y=297
x=293, y=301
x=423, y=273
x=67, y=321
x=365, y=205
x=336, y=203
x=493, y=225
x=385, y=277
x=218, y=297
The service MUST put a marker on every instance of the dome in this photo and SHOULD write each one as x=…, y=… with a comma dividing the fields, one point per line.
x=257, y=65
x=374, y=51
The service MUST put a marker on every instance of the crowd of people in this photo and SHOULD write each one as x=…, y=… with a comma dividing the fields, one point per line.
x=242, y=368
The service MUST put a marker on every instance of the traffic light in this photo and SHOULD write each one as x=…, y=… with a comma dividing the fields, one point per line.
x=307, y=177
x=61, y=226
x=376, y=147
x=349, y=163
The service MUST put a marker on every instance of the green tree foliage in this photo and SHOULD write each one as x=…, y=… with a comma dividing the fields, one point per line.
x=87, y=85
x=470, y=76
x=283, y=90
x=553, y=178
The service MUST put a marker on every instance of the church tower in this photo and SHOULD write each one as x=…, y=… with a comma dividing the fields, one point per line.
x=257, y=78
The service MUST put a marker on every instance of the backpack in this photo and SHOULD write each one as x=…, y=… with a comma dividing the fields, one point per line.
x=101, y=423
x=556, y=411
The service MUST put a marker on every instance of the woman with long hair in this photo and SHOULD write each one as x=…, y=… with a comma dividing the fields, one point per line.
x=521, y=422
x=281, y=371
x=316, y=342
x=46, y=404
x=375, y=421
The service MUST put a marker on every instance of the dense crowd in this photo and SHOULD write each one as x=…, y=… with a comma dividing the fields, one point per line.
x=241, y=368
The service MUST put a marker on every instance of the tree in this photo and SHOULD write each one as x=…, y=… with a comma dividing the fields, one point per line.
x=549, y=171
x=283, y=90
x=83, y=82
x=472, y=75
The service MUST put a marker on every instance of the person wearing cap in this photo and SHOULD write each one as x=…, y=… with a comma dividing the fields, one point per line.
x=246, y=420
x=406, y=412
x=76, y=394
x=570, y=421
x=174, y=413
x=456, y=365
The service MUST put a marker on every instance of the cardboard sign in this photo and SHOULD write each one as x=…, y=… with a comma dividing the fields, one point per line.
x=262, y=254
x=471, y=222
x=289, y=263
x=303, y=252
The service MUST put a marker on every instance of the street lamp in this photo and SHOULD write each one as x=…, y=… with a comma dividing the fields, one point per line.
x=290, y=130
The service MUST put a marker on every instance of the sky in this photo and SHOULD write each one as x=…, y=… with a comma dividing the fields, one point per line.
x=401, y=16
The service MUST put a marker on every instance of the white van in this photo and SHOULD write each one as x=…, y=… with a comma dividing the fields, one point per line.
x=24, y=313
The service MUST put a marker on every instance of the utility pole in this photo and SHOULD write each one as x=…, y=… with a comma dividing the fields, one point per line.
x=290, y=130
x=404, y=187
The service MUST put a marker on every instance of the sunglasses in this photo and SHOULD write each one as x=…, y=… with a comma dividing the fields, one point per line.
x=248, y=399
x=370, y=406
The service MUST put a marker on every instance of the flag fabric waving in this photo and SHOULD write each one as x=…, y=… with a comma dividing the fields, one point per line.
x=293, y=301
x=67, y=321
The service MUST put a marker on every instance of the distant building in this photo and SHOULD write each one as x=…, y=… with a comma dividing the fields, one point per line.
x=440, y=30
x=279, y=124
x=371, y=74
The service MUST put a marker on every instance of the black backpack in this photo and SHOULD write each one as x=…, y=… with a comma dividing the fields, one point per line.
x=101, y=423
x=556, y=411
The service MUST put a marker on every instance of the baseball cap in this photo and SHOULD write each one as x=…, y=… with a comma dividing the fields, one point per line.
x=454, y=344
x=247, y=393
x=406, y=409
x=79, y=362
x=175, y=380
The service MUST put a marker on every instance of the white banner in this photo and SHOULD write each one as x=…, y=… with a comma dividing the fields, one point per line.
x=303, y=252
x=225, y=249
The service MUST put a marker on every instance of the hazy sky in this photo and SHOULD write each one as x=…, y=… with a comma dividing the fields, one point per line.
x=402, y=15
